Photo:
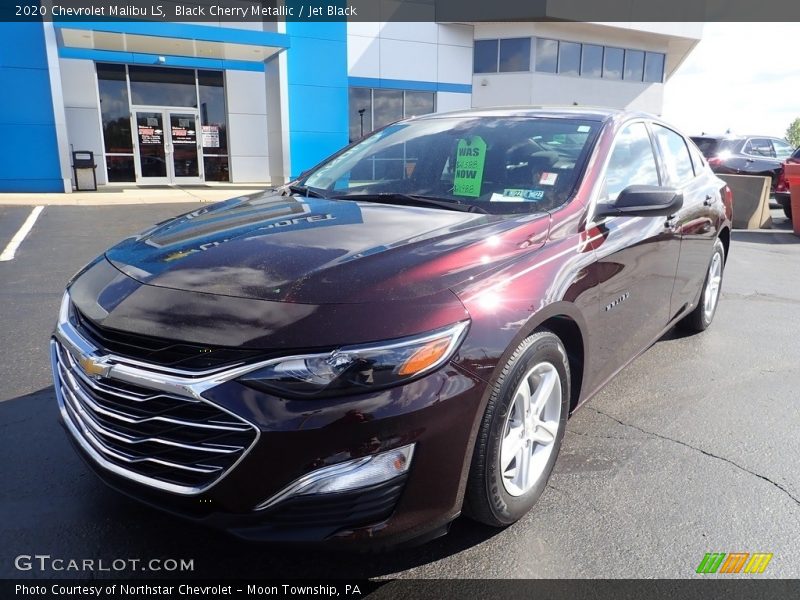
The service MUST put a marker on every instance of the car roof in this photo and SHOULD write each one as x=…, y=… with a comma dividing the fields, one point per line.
x=574, y=112
x=731, y=136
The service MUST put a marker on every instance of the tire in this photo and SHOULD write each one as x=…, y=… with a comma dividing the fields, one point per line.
x=700, y=318
x=497, y=493
x=787, y=210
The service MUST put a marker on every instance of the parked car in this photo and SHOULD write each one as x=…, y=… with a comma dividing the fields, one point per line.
x=745, y=155
x=782, y=192
x=370, y=351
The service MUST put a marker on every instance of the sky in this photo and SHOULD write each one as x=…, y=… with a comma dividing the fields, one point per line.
x=741, y=76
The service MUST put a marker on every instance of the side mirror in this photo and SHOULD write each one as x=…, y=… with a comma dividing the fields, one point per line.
x=642, y=201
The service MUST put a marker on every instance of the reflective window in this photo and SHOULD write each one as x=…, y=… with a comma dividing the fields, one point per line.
x=632, y=161
x=676, y=155
x=515, y=55
x=612, y=63
x=418, y=103
x=569, y=58
x=502, y=164
x=546, y=55
x=759, y=147
x=782, y=149
x=211, y=88
x=162, y=86
x=116, y=118
x=592, y=60
x=360, y=102
x=371, y=109
x=634, y=65
x=653, y=67
x=387, y=106
x=484, y=56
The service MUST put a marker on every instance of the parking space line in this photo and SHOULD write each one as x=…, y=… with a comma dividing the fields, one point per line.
x=13, y=245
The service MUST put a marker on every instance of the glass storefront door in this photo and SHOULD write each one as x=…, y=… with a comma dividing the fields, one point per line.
x=168, y=146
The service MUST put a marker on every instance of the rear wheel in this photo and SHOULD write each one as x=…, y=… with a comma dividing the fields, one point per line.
x=700, y=318
x=521, y=432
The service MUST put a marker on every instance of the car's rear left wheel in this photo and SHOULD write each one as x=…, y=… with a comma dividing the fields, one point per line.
x=702, y=315
x=521, y=432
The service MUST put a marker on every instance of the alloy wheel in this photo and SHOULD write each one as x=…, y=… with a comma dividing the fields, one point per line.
x=711, y=293
x=530, y=429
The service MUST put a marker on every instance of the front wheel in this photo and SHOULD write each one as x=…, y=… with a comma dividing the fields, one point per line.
x=700, y=318
x=521, y=432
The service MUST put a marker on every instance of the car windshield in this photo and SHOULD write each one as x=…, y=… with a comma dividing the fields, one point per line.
x=497, y=164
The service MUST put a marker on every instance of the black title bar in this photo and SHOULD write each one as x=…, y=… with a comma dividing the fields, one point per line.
x=458, y=11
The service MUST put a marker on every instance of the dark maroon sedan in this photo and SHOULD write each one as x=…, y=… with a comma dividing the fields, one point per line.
x=396, y=337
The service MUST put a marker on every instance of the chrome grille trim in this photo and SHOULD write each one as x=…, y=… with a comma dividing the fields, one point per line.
x=91, y=408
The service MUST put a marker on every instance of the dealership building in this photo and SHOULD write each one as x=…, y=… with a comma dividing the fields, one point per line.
x=191, y=103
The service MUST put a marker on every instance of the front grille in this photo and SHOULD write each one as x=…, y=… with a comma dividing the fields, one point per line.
x=360, y=507
x=159, y=351
x=183, y=442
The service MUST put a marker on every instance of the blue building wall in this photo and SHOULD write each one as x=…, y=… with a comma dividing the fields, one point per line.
x=318, y=97
x=29, y=160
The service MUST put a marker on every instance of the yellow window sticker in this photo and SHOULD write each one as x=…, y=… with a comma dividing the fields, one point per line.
x=470, y=159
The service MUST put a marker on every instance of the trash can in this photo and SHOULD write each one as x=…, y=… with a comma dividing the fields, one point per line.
x=83, y=167
x=792, y=174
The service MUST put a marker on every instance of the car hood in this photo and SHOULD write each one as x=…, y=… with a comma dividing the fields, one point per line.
x=307, y=250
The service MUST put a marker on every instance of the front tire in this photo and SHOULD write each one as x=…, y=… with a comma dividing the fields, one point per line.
x=521, y=432
x=700, y=318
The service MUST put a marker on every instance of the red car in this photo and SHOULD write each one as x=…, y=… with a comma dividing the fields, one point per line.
x=782, y=192
x=364, y=354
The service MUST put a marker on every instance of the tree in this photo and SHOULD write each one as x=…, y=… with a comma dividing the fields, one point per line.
x=793, y=133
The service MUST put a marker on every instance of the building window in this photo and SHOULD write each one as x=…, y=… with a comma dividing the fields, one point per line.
x=654, y=67
x=634, y=65
x=371, y=109
x=515, y=55
x=115, y=114
x=360, y=103
x=546, y=55
x=569, y=58
x=484, y=56
x=592, y=61
x=512, y=55
x=612, y=63
x=161, y=87
x=211, y=94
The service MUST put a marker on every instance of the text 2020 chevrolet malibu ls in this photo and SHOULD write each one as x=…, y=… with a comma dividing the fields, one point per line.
x=397, y=336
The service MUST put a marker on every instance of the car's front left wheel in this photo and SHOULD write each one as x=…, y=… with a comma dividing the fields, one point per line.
x=521, y=432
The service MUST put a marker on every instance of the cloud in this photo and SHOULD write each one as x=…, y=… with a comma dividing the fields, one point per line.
x=741, y=76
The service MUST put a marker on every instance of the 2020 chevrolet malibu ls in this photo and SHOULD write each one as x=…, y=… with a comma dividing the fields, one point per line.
x=397, y=336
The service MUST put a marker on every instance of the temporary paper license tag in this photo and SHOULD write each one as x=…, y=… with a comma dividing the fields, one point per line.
x=548, y=178
x=522, y=194
x=470, y=159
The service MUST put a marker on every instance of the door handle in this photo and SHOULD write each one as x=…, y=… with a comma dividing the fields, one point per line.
x=709, y=200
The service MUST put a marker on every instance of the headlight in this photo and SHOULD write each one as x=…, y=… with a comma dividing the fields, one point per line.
x=358, y=369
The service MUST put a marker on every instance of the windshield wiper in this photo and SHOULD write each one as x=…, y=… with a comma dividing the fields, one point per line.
x=306, y=191
x=418, y=199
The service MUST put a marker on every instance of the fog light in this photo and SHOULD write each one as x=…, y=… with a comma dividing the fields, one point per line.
x=347, y=476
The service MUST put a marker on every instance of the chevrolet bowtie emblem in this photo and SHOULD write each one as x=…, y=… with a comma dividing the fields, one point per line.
x=94, y=367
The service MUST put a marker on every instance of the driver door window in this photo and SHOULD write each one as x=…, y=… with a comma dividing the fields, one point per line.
x=632, y=162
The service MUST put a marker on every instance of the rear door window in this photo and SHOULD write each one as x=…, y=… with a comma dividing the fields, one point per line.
x=759, y=147
x=676, y=156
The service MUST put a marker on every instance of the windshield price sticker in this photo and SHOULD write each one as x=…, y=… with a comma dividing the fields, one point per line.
x=470, y=159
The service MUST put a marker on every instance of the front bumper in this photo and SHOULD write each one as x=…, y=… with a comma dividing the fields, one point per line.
x=292, y=438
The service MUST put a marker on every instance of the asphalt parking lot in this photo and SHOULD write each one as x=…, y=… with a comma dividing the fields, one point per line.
x=692, y=449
